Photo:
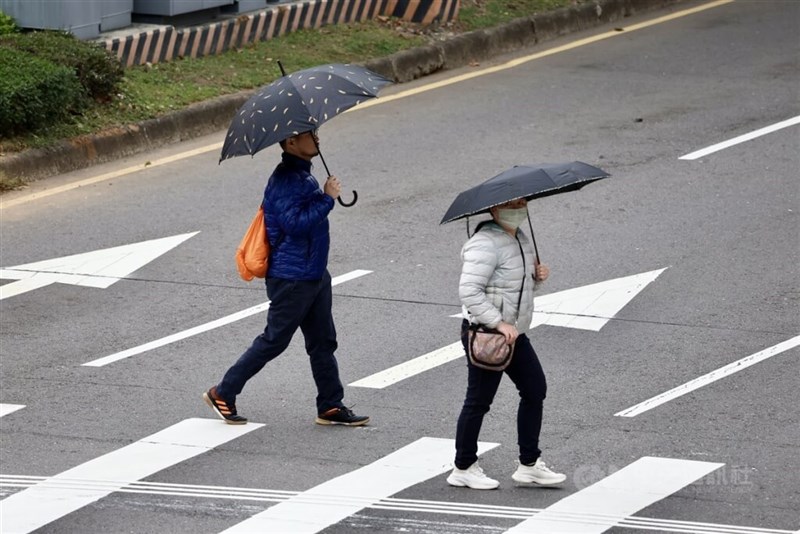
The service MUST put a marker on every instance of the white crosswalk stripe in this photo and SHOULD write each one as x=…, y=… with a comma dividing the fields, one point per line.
x=621, y=494
x=459, y=509
x=39, y=505
x=324, y=505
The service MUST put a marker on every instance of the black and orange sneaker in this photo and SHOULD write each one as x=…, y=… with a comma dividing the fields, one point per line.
x=341, y=416
x=223, y=409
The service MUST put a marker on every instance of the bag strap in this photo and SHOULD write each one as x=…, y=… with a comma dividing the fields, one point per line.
x=522, y=255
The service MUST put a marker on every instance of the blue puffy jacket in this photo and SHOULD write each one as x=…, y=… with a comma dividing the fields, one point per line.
x=296, y=215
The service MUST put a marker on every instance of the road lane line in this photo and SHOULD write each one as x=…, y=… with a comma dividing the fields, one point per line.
x=384, y=99
x=741, y=139
x=410, y=368
x=332, y=501
x=18, y=287
x=614, y=498
x=6, y=409
x=228, y=319
x=713, y=376
x=40, y=505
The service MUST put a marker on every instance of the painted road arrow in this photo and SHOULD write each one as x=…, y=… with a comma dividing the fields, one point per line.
x=586, y=308
x=99, y=268
x=590, y=307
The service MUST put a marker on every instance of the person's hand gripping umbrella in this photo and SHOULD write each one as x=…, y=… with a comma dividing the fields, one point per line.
x=299, y=102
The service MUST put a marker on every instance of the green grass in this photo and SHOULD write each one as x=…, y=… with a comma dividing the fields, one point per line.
x=150, y=91
x=477, y=14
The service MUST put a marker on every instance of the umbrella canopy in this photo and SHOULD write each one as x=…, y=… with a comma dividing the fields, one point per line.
x=522, y=181
x=296, y=103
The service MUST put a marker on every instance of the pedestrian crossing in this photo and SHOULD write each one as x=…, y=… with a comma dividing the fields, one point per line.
x=610, y=502
x=430, y=507
x=43, y=503
x=605, y=503
x=333, y=501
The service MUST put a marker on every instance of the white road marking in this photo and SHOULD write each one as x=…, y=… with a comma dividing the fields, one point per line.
x=590, y=307
x=6, y=409
x=713, y=376
x=741, y=139
x=587, y=307
x=612, y=499
x=228, y=319
x=411, y=368
x=42, y=504
x=99, y=268
x=334, y=500
x=7, y=203
x=18, y=287
x=397, y=505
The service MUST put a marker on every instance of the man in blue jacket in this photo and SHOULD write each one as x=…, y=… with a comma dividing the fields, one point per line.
x=298, y=286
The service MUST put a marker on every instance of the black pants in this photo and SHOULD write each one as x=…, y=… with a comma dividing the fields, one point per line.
x=294, y=304
x=527, y=374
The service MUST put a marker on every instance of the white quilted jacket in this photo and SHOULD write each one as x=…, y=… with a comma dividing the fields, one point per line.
x=492, y=275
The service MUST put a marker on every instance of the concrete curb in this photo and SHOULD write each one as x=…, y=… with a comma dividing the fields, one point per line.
x=215, y=115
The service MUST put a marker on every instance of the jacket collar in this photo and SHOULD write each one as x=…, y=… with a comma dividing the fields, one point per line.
x=291, y=160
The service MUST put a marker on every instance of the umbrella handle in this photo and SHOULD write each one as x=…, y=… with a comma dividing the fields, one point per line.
x=342, y=202
x=348, y=204
x=533, y=238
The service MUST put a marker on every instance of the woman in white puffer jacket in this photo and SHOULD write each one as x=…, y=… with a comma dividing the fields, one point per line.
x=498, y=264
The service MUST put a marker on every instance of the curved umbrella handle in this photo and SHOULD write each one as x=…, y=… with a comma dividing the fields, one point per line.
x=348, y=204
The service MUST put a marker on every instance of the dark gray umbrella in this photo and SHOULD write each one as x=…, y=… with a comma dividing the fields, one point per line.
x=522, y=181
x=299, y=102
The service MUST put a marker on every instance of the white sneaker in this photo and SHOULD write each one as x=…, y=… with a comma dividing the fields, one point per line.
x=471, y=477
x=538, y=474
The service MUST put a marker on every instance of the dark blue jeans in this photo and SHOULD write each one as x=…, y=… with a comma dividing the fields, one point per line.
x=527, y=374
x=294, y=304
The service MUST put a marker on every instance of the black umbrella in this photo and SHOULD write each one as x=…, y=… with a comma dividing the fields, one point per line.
x=297, y=103
x=522, y=181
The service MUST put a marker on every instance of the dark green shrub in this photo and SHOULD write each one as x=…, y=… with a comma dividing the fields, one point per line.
x=98, y=71
x=7, y=24
x=35, y=92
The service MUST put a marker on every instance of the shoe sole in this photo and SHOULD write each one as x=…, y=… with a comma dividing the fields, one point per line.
x=535, y=483
x=216, y=411
x=321, y=421
x=458, y=484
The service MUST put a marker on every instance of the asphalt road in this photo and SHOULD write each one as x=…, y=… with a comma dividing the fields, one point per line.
x=719, y=235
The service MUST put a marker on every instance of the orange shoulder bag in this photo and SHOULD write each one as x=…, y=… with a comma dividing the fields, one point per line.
x=252, y=256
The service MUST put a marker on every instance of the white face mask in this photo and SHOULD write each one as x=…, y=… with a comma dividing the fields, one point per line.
x=512, y=217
